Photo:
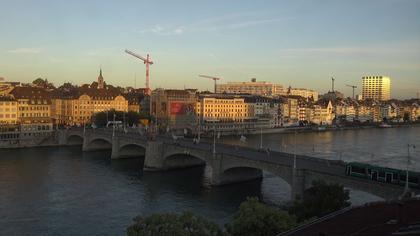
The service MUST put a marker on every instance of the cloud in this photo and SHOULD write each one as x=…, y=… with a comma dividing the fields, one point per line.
x=225, y=22
x=360, y=50
x=164, y=31
x=26, y=51
x=239, y=24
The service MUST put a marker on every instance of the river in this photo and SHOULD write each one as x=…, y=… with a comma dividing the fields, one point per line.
x=63, y=191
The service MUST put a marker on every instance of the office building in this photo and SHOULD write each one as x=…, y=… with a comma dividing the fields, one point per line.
x=376, y=88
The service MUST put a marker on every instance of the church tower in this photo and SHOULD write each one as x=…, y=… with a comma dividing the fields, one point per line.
x=100, y=80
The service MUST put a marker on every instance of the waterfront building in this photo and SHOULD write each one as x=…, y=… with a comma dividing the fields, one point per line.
x=344, y=110
x=290, y=110
x=33, y=105
x=261, y=88
x=376, y=88
x=76, y=105
x=389, y=111
x=230, y=113
x=224, y=107
x=320, y=113
x=8, y=110
x=174, y=108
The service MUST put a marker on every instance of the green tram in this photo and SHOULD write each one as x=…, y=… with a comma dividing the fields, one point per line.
x=383, y=174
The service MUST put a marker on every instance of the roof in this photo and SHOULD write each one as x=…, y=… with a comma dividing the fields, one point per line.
x=374, y=219
x=7, y=98
x=31, y=93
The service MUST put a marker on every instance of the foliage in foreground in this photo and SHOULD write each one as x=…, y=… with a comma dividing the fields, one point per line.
x=185, y=224
x=252, y=219
x=257, y=219
x=319, y=200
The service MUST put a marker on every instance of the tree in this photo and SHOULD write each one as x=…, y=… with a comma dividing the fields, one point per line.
x=185, y=224
x=101, y=118
x=255, y=218
x=39, y=82
x=133, y=118
x=319, y=200
x=406, y=117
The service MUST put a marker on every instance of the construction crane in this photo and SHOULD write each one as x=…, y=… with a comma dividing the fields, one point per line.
x=211, y=77
x=147, y=61
x=352, y=86
x=332, y=84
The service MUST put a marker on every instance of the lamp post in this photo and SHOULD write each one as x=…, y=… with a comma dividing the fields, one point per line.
x=113, y=127
x=261, y=138
x=214, y=139
x=294, y=152
x=408, y=164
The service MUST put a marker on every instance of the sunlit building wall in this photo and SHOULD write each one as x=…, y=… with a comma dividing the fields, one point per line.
x=376, y=87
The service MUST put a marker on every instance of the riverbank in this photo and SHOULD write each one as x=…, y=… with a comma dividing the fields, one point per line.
x=315, y=129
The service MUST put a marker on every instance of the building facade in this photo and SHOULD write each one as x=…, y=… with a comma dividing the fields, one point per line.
x=174, y=109
x=376, y=88
x=8, y=110
x=261, y=88
x=305, y=93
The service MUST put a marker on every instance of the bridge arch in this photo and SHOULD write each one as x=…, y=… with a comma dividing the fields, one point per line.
x=132, y=149
x=255, y=169
x=74, y=139
x=99, y=144
x=182, y=158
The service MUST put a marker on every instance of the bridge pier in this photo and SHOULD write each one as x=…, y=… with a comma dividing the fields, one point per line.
x=298, y=183
x=154, y=158
x=62, y=137
x=85, y=145
x=115, y=148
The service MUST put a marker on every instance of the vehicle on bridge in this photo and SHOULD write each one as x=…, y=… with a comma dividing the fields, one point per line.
x=383, y=174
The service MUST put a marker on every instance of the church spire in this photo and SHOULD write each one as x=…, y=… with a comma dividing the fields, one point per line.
x=100, y=80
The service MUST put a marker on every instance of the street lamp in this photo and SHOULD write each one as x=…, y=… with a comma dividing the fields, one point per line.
x=113, y=127
x=408, y=164
x=294, y=152
x=214, y=139
x=261, y=138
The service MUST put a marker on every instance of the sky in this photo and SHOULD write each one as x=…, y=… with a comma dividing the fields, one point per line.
x=298, y=43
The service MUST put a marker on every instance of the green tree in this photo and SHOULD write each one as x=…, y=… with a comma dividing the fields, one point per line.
x=406, y=117
x=257, y=219
x=319, y=200
x=185, y=224
x=133, y=117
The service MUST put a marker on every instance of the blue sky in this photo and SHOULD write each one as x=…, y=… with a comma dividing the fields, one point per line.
x=297, y=43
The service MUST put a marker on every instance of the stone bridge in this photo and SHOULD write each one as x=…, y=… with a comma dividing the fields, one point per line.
x=230, y=164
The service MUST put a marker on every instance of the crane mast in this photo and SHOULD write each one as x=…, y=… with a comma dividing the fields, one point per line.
x=147, y=61
x=353, y=87
x=211, y=77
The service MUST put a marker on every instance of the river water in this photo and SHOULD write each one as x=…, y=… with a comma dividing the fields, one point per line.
x=63, y=191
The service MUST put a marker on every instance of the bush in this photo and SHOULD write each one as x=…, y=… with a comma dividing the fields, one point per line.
x=185, y=224
x=319, y=200
x=257, y=219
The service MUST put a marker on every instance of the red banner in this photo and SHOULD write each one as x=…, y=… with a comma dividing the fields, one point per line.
x=179, y=108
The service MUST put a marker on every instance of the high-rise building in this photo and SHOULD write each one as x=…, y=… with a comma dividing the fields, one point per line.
x=376, y=87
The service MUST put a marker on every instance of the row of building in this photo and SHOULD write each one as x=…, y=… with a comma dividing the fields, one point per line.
x=373, y=87
x=66, y=105
x=188, y=109
x=234, y=108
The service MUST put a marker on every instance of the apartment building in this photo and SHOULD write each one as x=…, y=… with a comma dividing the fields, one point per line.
x=376, y=88
x=254, y=87
x=8, y=110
